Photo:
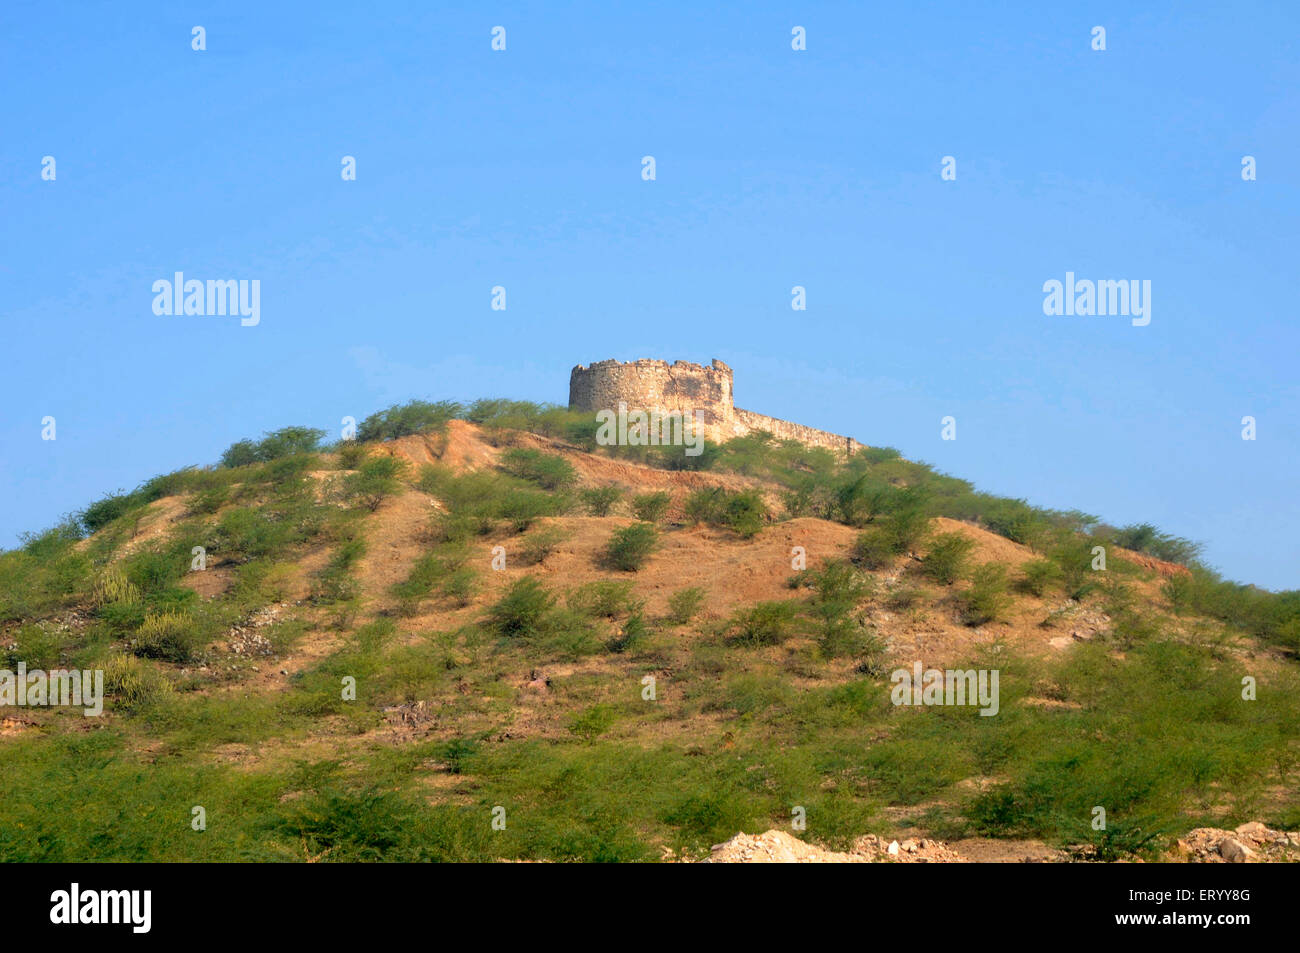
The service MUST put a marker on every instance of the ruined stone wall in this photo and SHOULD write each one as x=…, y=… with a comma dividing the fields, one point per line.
x=651, y=384
x=784, y=430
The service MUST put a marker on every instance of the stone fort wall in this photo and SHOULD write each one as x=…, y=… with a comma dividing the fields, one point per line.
x=683, y=386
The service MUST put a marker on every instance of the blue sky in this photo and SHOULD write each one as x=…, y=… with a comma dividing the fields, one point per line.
x=775, y=168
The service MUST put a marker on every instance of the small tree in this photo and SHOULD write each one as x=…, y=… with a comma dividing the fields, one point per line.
x=545, y=469
x=746, y=513
x=684, y=604
x=631, y=546
x=1039, y=575
x=523, y=610
x=650, y=506
x=873, y=550
x=601, y=499
x=706, y=505
x=766, y=623
x=377, y=479
x=986, y=599
x=400, y=420
x=946, y=561
x=907, y=521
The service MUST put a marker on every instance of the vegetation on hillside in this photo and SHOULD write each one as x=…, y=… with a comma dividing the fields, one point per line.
x=780, y=703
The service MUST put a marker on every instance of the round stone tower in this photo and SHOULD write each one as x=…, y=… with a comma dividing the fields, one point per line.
x=702, y=393
x=651, y=384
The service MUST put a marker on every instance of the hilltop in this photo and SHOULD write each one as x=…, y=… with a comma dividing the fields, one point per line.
x=563, y=651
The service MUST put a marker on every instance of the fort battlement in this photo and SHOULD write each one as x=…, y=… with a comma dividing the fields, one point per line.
x=650, y=384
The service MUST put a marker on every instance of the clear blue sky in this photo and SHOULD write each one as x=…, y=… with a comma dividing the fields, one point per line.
x=775, y=168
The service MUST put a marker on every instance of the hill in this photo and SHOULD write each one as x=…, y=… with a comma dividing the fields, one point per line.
x=473, y=634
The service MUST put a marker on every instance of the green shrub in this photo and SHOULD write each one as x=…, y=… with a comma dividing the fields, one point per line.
x=839, y=587
x=634, y=631
x=902, y=598
x=170, y=636
x=350, y=454
x=37, y=645
x=1271, y=616
x=523, y=611
x=99, y=514
x=121, y=618
x=262, y=582
x=476, y=500
x=496, y=415
x=46, y=574
x=456, y=753
x=946, y=561
x=289, y=442
x=521, y=508
x=285, y=442
x=684, y=604
x=362, y=827
x=907, y=521
x=428, y=572
x=601, y=499
x=401, y=420
x=152, y=570
x=860, y=500
x=706, y=505
x=745, y=512
x=1014, y=519
x=873, y=550
x=1123, y=839
x=541, y=543
x=807, y=498
x=1038, y=576
x=206, y=502
x=766, y=623
x=711, y=816
x=986, y=599
x=133, y=684
x=839, y=581
x=631, y=546
x=1145, y=538
x=651, y=507
x=377, y=479
x=1073, y=559
x=547, y=470
x=592, y=722
x=248, y=533
x=848, y=637
x=241, y=453
x=287, y=476
x=112, y=586
x=461, y=585
x=1130, y=627
x=742, y=511
x=607, y=598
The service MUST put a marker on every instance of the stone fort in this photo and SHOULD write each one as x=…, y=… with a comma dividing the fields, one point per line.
x=683, y=386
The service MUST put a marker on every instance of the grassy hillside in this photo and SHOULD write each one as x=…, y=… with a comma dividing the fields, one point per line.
x=522, y=690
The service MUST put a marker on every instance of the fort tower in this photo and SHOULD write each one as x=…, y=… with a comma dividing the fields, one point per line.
x=683, y=386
